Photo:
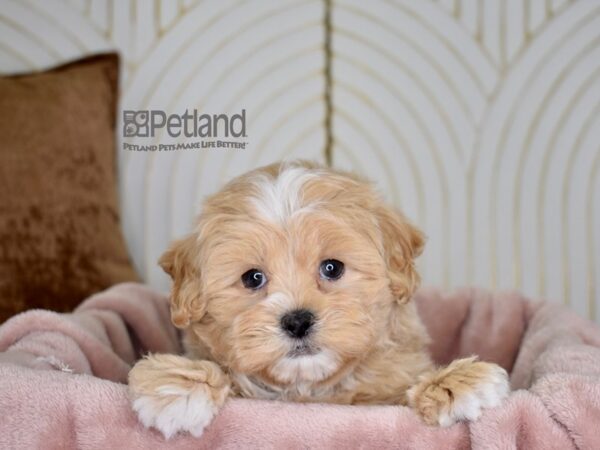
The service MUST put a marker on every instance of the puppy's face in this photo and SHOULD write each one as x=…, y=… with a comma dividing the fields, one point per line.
x=292, y=273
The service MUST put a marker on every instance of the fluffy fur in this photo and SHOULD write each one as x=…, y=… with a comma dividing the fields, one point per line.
x=367, y=345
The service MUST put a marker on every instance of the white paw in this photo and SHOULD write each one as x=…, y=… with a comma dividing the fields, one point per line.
x=486, y=393
x=171, y=409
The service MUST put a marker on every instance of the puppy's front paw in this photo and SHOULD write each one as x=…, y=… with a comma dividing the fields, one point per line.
x=459, y=391
x=172, y=393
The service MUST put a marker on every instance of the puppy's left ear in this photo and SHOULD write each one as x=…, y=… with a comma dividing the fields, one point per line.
x=402, y=242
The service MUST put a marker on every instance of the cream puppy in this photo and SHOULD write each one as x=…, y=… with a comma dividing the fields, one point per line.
x=296, y=285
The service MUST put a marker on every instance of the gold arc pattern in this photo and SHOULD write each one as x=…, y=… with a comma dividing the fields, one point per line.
x=463, y=77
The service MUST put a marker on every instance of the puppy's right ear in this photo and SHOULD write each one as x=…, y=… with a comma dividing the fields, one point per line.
x=180, y=261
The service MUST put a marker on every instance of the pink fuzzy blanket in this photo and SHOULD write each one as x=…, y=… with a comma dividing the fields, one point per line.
x=62, y=375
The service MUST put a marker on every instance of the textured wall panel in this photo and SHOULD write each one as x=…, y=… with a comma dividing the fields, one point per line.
x=215, y=56
x=481, y=119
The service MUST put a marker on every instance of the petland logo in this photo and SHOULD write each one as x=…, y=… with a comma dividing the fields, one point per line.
x=212, y=128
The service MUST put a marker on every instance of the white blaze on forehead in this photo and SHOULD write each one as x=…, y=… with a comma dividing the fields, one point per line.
x=280, y=198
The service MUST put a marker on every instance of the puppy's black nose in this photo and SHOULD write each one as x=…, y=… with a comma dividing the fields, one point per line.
x=297, y=323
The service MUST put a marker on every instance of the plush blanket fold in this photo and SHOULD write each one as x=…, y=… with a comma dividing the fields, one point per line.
x=62, y=375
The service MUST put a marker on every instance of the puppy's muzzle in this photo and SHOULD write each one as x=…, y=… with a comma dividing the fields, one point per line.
x=297, y=324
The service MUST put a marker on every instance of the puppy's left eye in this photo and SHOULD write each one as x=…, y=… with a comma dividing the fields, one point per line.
x=331, y=269
x=254, y=279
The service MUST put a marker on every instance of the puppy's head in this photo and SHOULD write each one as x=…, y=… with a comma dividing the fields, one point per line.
x=292, y=273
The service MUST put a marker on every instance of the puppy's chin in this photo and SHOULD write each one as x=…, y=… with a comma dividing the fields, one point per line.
x=307, y=367
x=290, y=363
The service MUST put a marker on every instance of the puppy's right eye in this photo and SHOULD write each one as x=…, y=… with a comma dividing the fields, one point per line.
x=254, y=279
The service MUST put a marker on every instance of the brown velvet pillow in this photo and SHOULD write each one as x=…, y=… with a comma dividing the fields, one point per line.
x=60, y=235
